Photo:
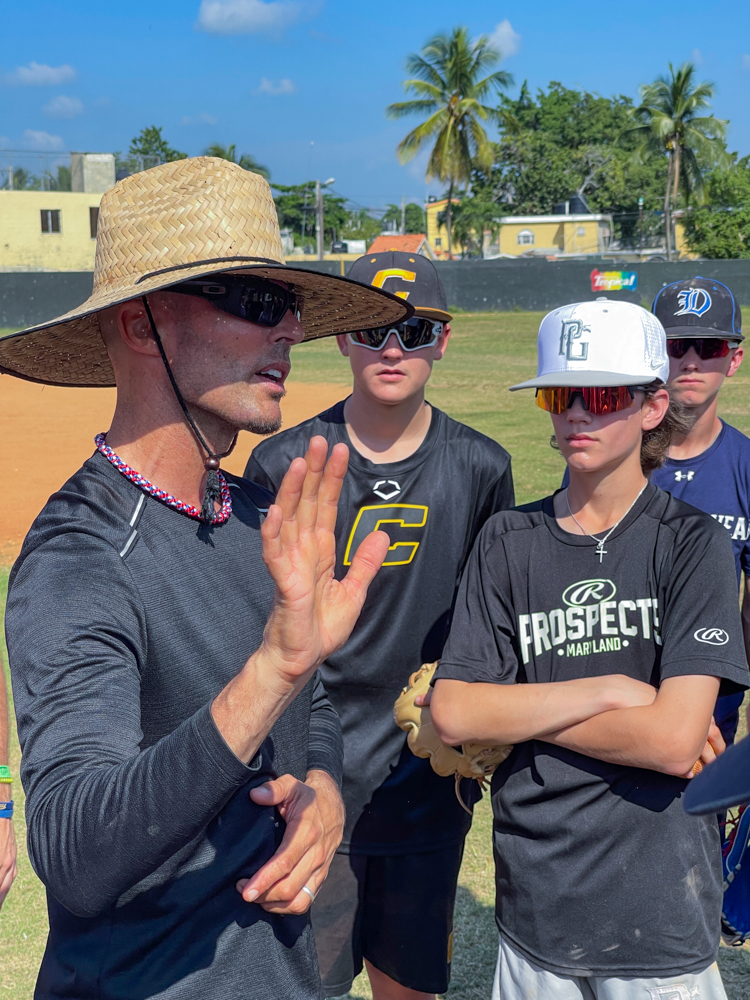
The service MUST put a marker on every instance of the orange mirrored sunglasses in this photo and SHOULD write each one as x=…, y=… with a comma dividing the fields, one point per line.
x=598, y=400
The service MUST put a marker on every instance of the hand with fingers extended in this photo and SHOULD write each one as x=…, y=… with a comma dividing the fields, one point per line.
x=314, y=816
x=313, y=613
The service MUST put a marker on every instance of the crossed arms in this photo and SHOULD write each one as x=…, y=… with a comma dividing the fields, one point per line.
x=612, y=718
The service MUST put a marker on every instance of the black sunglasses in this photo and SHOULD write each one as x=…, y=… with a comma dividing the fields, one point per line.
x=705, y=347
x=412, y=334
x=256, y=300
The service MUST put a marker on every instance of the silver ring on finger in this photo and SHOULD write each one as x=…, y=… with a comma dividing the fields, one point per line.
x=310, y=893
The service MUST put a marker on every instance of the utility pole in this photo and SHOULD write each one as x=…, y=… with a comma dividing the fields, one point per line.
x=403, y=214
x=10, y=177
x=640, y=223
x=319, y=220
x=319, y=216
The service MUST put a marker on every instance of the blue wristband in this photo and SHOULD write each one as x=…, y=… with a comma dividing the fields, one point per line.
x=6, y=810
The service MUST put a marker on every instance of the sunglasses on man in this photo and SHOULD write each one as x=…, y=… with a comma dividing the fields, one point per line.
x=599, y=400
x=256, y=300
x=413, y=334
x=705, y=347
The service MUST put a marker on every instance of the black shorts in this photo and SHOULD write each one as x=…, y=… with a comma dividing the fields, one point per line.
x=395, y=911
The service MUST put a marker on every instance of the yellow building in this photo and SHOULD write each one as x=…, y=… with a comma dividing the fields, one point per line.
x=48, y=230
x=575, y=234
x=519, y=234
x=437, y=235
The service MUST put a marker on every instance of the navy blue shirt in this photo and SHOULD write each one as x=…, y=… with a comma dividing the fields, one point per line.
x=717, y=481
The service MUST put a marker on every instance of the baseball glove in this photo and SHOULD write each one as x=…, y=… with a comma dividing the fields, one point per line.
x=472, y=760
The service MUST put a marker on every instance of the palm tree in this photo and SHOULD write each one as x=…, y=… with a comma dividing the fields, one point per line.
x=246, y=161
x=448, y=81
x=669, y=122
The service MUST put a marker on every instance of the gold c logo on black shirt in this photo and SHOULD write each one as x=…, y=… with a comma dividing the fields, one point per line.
x=398, y=515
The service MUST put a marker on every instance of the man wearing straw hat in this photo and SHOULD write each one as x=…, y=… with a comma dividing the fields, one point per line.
x=180, y=757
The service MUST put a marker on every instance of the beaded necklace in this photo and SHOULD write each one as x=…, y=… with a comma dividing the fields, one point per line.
x=143, y=484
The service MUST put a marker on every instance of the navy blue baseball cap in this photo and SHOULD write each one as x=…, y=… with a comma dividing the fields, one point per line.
x=410, y=276
x=698, y=307
x=723, y=783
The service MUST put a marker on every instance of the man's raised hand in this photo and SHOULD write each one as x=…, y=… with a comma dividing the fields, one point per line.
x=313, y=613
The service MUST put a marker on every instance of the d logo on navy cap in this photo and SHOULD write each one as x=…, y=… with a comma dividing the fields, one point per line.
x=698, y=307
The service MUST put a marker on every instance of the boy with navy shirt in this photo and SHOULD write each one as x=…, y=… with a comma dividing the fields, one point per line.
x=709, y=467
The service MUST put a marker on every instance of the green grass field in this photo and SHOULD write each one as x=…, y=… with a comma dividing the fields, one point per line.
x=488, y=353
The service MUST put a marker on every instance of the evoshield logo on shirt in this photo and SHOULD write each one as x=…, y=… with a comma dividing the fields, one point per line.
x=592, y=622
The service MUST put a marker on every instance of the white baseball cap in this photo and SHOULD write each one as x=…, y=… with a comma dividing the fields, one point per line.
x=597, y=344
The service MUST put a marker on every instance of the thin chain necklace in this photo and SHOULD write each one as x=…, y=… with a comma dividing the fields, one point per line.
x=600, y=542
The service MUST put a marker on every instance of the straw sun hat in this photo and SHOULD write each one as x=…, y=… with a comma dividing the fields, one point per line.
x=186, y=219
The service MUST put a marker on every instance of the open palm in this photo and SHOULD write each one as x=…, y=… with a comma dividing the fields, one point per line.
x=313, y=613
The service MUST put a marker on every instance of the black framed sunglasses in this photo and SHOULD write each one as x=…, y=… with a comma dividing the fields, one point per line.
x=599, y=400
x=412, y=334
x=705, y=347
x=256, y=300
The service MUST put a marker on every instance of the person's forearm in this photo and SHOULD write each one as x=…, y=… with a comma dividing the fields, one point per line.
x=131, y=815
x=246, y=710
x=512, y=713
x=326, y=748
x=746, y=619
x=667, y=736
x=4, y=718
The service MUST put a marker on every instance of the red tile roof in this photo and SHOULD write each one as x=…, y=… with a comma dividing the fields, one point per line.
x=411, y=243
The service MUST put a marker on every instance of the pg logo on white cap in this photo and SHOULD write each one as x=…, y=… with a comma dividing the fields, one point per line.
x=572, y=346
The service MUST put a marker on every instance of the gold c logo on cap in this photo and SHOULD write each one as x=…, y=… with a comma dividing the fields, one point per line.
x=394, y=272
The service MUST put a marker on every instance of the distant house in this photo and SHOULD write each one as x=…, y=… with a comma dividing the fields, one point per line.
x=410, y=243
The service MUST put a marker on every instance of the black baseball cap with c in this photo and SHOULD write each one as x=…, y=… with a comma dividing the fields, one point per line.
x=410, y=276
x=698, y=307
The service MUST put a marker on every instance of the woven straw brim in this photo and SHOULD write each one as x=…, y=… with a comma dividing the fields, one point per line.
x=69, y=350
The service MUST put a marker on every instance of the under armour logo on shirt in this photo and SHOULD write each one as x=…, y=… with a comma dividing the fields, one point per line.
x=680, y=475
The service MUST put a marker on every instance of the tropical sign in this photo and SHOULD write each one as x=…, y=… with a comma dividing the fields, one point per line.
x=614, y=281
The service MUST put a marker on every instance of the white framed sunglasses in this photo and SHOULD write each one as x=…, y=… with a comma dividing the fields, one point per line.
x=412, y=335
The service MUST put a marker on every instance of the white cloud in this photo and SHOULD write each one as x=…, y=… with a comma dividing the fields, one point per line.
x=39, y=75
x=202, y=119
x=746, y=60
x=506, y=39
x=251, y=17
x=284, y=86
x=63, y=107
x=696, y=56
x=42, y=140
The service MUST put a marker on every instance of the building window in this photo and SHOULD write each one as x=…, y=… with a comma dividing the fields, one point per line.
x=438, y=242
x=93, y=220
x=525, y=238
x=50, y=220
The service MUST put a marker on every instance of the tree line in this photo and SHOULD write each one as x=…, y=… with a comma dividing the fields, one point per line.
x=638, y=162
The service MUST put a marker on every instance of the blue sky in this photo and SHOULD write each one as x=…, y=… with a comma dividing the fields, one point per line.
x=302, y=84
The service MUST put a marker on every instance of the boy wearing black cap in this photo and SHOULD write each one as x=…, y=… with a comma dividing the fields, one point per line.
x=431, y=482
x=709, y=466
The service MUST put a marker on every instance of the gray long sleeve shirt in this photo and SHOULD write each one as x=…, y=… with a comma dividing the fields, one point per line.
x=125, y=619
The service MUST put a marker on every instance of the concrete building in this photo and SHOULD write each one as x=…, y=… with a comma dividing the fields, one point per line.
x=48, y=230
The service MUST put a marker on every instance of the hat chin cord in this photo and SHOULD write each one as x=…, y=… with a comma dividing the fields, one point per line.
x=212, y=491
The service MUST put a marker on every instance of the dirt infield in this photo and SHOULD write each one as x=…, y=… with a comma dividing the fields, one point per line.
x=46, y=432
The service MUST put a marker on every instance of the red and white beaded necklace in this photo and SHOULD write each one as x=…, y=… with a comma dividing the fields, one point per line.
x=148, y=487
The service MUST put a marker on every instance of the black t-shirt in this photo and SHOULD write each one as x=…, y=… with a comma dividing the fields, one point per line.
x=599, y=869
x=125, y=619
x=432, y=504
